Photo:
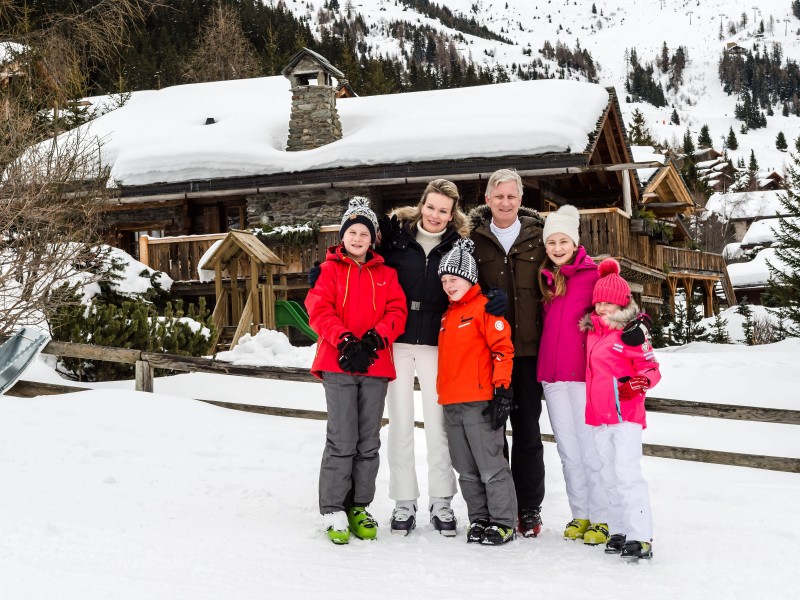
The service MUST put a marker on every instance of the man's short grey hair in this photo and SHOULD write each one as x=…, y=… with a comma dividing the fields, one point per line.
x=502, y=176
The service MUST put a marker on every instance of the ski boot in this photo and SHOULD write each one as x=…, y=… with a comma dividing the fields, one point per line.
x=615, y=543
x=362, y=525
x=496, y=534
x=530, y=521
x=404, y=517
x=596, y=534
x=442, y=518
x=476, y=529
x=336, y=527
x=576, y=528
x=634, y=550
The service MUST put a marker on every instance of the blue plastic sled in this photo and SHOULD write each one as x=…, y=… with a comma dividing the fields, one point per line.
x=17, y=353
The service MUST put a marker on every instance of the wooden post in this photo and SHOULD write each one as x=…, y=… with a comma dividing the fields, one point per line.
x=144, y=376
x=257, y=316
x=709, y=299
x=144, y=250
x=236, y=301
x=626, y=192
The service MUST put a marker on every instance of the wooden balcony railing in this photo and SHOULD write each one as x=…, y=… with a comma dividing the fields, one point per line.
x=179, y=256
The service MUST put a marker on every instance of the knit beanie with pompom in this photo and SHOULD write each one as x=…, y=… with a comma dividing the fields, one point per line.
x=611, y=287
x=459, y=261
x=565, y=220
x=358, y=211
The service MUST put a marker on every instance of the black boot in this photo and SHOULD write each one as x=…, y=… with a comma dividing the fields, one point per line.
x=634, y=550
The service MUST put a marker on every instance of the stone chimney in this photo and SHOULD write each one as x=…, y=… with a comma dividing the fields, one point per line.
x=314, y=120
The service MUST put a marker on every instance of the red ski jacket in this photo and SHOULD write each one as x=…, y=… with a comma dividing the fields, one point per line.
x=353, y=297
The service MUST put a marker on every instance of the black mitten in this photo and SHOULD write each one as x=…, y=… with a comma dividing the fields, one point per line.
x=498, y=302
x=313, y=274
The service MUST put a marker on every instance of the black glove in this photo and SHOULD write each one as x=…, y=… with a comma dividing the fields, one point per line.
x=389, y=228
x=353, y=356
x=373, y=342
x=500, y=407
x=313, y=274
x=498, y=302
x=637, y=332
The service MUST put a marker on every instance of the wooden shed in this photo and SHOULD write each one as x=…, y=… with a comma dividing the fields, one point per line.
x=242, y=255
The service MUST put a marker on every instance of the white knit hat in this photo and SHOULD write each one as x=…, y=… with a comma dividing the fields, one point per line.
x=459, y=261
x=358, y=211
x=565, y=220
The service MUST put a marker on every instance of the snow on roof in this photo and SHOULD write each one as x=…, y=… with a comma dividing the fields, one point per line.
x=646, y=154
x=706, y=164
x=764, y=231
x=756, y=272
x=161, y=136
x=745, y=205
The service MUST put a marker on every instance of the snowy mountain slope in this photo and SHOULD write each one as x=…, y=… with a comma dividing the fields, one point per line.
x=618, y=25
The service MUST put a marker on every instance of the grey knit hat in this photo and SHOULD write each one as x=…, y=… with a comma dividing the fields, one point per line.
x=459, y=261
x=565, y=220
x=358, y=211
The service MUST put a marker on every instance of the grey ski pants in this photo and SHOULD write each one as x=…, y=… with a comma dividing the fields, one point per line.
x=483, y=472
x=350, y=460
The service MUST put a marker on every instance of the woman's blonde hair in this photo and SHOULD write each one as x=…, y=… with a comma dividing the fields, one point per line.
x=413, y=214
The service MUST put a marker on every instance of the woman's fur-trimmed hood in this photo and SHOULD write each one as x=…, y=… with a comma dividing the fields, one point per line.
x=616, y=321
x=480, y=214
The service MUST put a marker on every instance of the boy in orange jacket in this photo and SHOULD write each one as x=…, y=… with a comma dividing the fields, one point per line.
x=473, y=383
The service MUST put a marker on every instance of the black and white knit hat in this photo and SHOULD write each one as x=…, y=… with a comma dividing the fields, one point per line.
x=459, y=261
x=358, y=211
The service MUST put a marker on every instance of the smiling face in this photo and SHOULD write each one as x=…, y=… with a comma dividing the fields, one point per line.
x=437, y=212
x=357, y=239
x=560, y=248
x=504, y=200
x=606, y=309
x=455, y=287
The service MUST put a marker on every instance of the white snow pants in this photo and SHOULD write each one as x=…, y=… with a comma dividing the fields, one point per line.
x=408, y=359
x=620, y=449
x=566, y=407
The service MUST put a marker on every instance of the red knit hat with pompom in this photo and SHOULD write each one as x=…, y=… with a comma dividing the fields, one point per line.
x=611, y=287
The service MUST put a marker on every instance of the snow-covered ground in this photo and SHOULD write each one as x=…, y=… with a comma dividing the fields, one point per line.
x=112, y=493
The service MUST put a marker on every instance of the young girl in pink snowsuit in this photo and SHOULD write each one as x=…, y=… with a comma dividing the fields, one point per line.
x=620, y=368
x=566, y=279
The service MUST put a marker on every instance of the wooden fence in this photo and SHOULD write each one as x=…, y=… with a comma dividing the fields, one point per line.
x=146, y=362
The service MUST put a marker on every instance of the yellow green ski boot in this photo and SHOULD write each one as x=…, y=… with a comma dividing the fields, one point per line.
x=596, y=534
x=336, y=527
x=362, y=525
x=576, y=528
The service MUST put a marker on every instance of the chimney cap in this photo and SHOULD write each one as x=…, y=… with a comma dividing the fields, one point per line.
x=321, y=62
x=210, y=121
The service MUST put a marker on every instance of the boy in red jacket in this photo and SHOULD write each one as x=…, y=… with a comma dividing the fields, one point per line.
x=473, y=383
x=620, y=368
x=358, y=309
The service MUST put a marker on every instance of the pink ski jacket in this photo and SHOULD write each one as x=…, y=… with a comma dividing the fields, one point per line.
x=354, y=297
x=608, y=359
x=562, y=349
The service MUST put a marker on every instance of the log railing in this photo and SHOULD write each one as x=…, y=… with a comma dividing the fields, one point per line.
x=146, y=362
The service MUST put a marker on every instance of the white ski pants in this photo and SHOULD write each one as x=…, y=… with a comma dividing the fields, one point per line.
x=566, y=407
x=408, y=359
x=620, y=449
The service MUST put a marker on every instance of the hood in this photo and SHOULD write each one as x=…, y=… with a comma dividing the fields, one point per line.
x=616, y=321
x=481, y=214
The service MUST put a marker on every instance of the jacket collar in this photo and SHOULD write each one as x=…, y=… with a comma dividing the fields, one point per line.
x=582, y=262
x=338, y=253
x=591, y=321
x=475, y=290
x=480, y=215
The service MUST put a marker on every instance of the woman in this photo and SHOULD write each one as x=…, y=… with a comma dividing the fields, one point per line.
x=413, y=241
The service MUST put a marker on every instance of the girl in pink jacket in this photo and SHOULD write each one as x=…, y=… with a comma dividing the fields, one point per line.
x=566, y=279
x=620, y=368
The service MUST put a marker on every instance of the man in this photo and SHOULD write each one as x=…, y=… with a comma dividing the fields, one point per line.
x=509, y=251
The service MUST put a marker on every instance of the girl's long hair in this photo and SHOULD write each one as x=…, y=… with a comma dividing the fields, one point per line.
x=560, y=282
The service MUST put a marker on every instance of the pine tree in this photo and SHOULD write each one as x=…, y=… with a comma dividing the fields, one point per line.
x=752, y=166
x=704, y=139
x=638, y=131
x=780, y=142
x=687, y=321
x=594, y=9
x=674, y=118
x=784, y=283
x=731, y=140
x=719, y=330
x=747, y=327
x=688, y=144
x=785, y=110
